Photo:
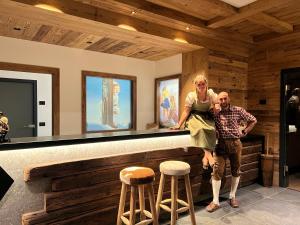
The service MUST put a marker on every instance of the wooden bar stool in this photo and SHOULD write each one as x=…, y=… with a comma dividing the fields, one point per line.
x=175, y=169
x=138, y=178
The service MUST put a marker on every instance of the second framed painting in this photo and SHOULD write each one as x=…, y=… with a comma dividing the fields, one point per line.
x=167, y=90
x=108, y=102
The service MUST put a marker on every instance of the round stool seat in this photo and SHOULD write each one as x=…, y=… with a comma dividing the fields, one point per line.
x=174, y=168
x=136, y=175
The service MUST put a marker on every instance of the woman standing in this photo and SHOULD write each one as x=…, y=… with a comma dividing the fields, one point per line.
x=198, y=117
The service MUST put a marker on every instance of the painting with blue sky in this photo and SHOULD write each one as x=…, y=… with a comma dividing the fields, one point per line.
x=168, y=92
x=108, y=104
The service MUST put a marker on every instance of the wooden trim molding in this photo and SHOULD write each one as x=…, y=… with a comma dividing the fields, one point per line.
x=55, y=87
x=113, y=76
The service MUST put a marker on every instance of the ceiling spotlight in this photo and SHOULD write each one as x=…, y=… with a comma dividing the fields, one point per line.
x=126, y=27
x=180, y=40
x=133, y=12
x=48, y=7
x=187, y=28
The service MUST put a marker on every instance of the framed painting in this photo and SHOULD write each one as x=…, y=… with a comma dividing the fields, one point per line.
x=108, y=102
x=167, y=100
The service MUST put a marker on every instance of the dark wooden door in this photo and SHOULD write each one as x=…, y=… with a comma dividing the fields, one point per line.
x=18, y=103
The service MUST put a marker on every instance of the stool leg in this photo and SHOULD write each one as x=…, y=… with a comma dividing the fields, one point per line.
x=132, y=205
x=160, y=193
x=152, y=204
x=174, y=189
x=142, y=202
x=190, y=198
x=122, y=203
x=176, y=197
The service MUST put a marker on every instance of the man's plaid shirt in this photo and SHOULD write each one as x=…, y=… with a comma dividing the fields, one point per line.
x=228, y=121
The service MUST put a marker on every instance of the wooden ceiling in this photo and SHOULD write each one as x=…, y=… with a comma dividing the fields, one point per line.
x=92, y=24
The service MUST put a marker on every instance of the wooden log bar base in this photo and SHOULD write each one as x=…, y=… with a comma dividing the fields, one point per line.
x=175, y=169
x=87, y=191
x=138, y=178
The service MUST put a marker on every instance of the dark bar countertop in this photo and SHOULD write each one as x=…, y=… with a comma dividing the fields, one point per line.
x=35, y=142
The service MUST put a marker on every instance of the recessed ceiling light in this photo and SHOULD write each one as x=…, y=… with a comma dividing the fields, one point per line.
x=187, y=28
x=126, y=27
x=48, y=7
x=180, y=40
x=133, y=12
x=239, y=3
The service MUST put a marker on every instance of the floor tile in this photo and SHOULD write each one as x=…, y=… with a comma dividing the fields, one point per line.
x=264, y=191
x=258, y=206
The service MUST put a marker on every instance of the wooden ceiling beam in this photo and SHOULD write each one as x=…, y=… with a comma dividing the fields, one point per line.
x=88, y=23
x=248, y=11
x=164, y=16
x=198, y=7
x=271, y=22
x=91, y=20
x=145, y=9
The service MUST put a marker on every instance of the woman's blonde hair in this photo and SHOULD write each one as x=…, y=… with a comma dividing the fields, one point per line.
x=199, y=78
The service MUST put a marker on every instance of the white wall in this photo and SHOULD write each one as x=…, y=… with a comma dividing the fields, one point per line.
x=169, y=66
x=44, y=93
x=71, y=62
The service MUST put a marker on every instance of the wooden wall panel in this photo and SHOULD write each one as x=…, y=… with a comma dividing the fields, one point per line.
x=228, y=72
x=265, y=64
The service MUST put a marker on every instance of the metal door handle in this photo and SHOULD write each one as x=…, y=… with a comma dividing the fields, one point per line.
x=30, y=126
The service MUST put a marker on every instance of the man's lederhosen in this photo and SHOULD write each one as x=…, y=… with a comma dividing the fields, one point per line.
x=231, y=149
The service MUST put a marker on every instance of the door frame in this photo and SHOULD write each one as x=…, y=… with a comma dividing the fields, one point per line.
x=34, y=83
x=55, y=74
x=283, y=172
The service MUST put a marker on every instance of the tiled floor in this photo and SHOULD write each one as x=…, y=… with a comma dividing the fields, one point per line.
x=294, y=181
x=258, y=206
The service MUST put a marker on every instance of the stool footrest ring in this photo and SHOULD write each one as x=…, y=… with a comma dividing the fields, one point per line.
x=182, y=209
x=128, y=212
x=145, y=222
x=125, y=220
x=147, y=213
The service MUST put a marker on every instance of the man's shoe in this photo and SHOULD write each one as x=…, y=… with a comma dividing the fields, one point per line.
x=233, y=203
x=212, y=207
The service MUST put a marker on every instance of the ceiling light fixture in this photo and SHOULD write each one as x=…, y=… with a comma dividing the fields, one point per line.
x=127, y=27
x=133, y=12
x=180, y=40
x=187, y=28
x=48, y=7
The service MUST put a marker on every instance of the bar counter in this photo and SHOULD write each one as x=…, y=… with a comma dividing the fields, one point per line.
x=34, y=142
x=74, y=179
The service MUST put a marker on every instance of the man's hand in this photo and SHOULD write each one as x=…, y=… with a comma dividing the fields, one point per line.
x=244, y=133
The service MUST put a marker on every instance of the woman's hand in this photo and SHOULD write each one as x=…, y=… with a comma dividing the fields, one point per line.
x=216, y=108
x=176, y=127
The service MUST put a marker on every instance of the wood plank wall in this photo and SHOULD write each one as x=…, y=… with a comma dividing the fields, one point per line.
x=225, y=72
x=266, y=61
x=86, y=192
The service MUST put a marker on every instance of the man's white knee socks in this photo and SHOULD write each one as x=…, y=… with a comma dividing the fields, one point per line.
x=234, y=184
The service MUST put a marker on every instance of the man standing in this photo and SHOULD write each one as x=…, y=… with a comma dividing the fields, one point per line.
x=229, y=146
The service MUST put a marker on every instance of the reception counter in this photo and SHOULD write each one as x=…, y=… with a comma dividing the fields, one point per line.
x=74, y=180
